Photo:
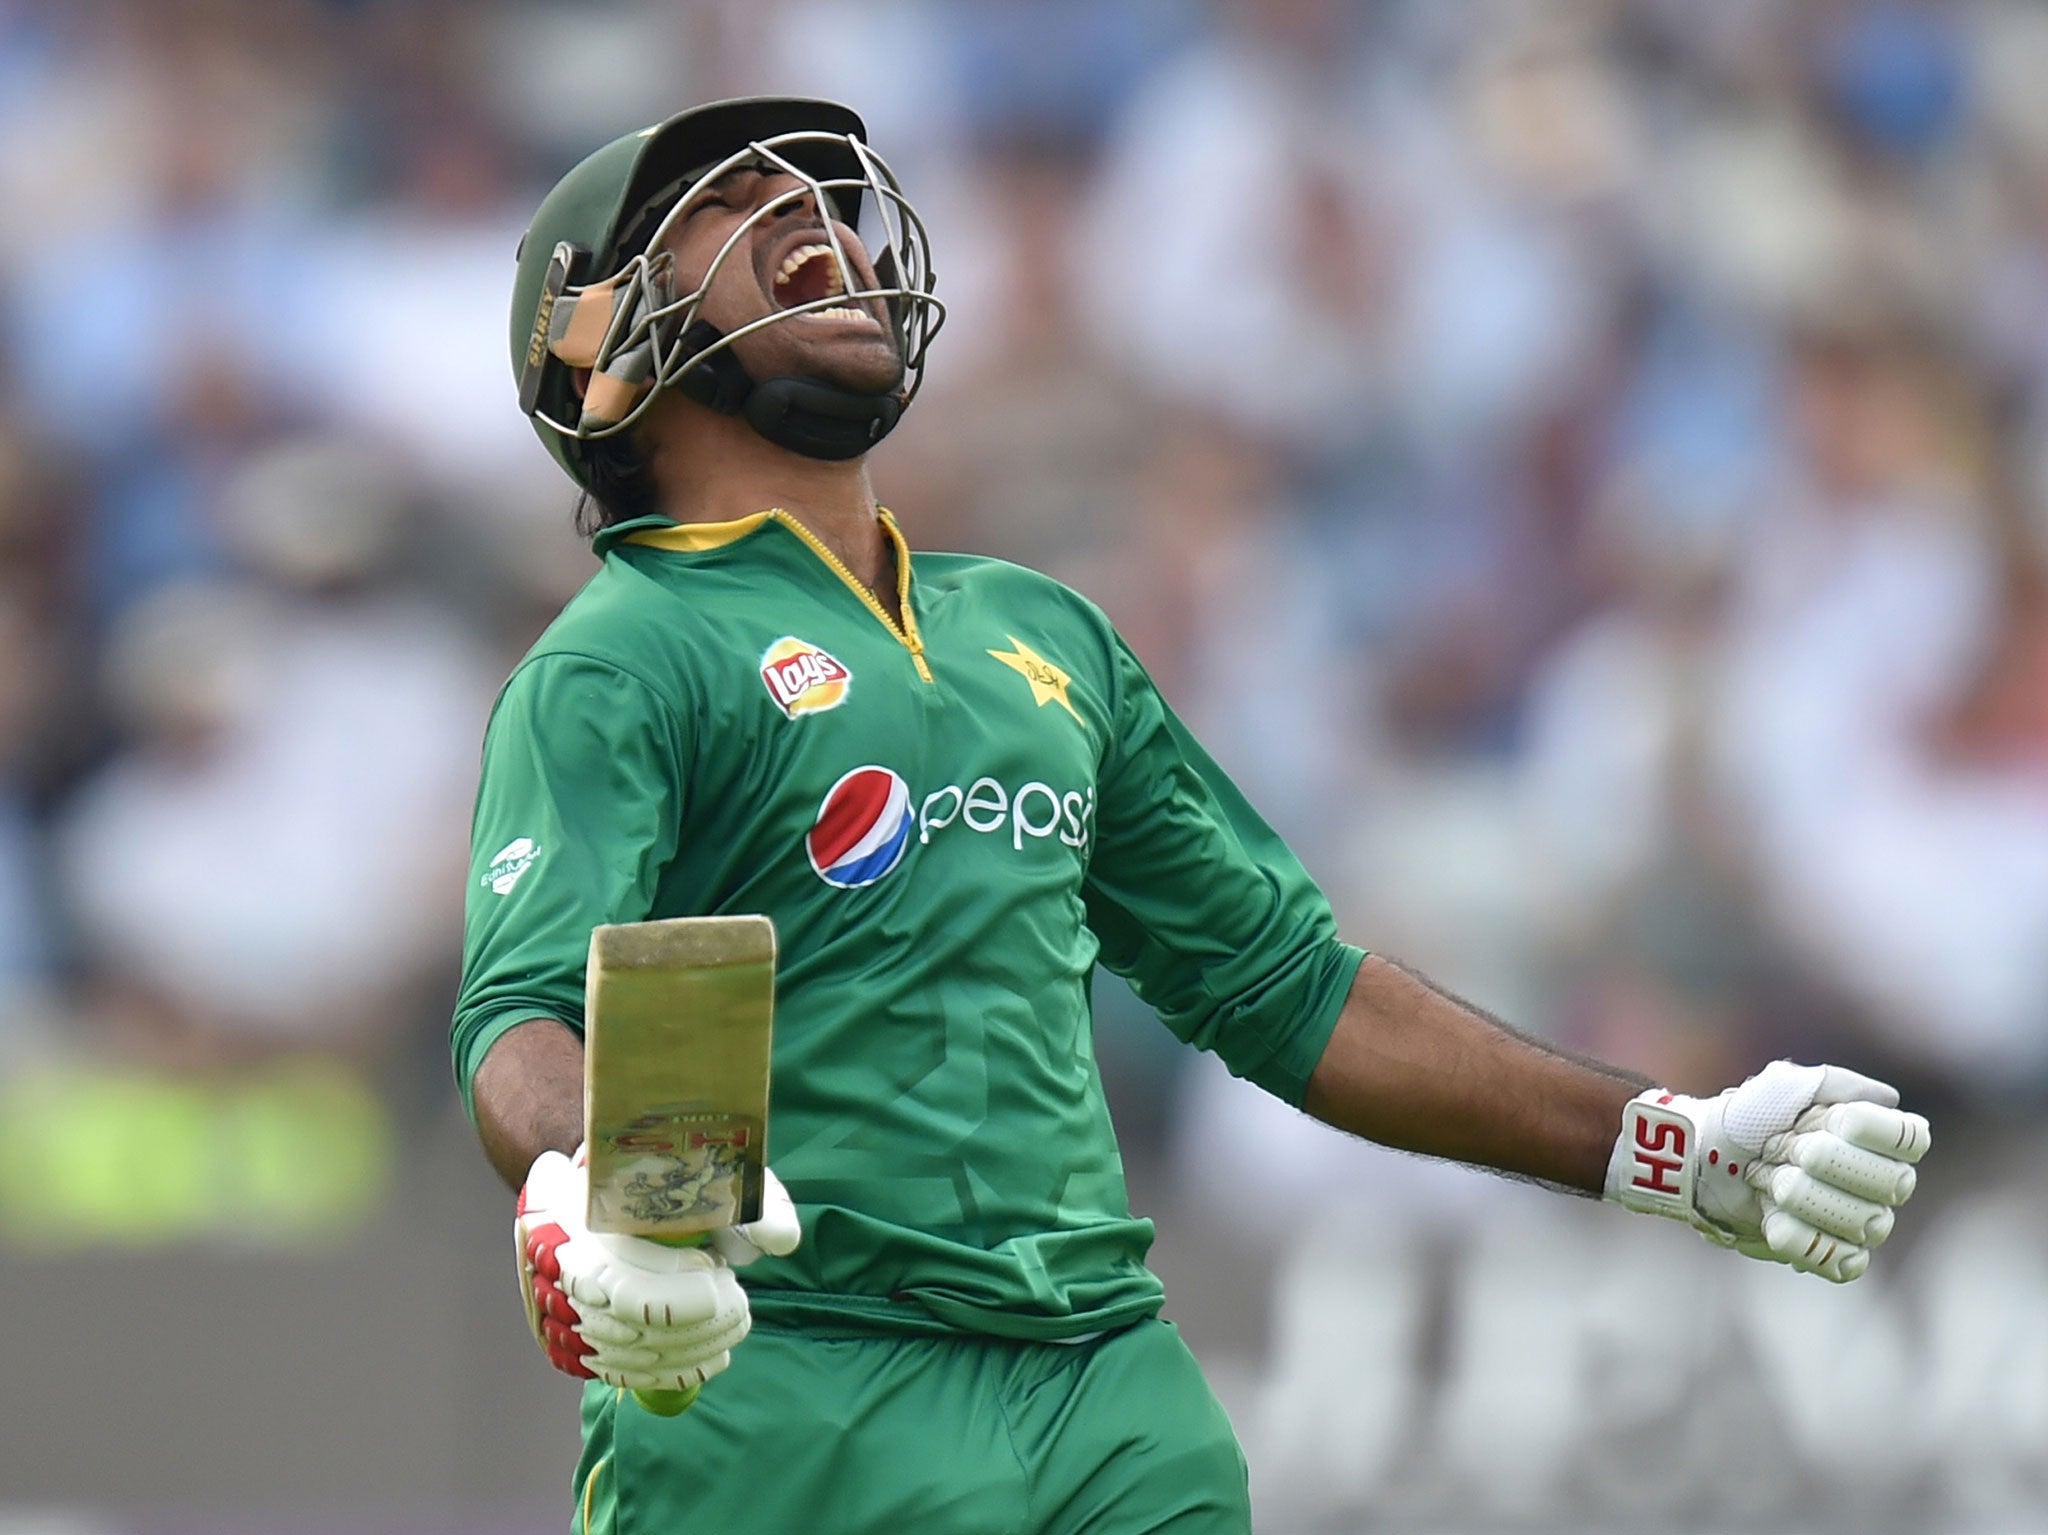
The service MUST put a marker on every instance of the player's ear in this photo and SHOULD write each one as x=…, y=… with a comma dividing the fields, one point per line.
x=579, y=380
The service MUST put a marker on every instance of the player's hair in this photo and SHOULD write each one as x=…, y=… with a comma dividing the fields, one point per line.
x=620, y=488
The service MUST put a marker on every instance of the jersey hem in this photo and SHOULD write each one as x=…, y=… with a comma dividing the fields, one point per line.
x=470, y=1052
x=1296, y=1060
x=819, y=1313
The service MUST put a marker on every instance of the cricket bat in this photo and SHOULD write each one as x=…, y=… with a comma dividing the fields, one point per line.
x=678, y=1021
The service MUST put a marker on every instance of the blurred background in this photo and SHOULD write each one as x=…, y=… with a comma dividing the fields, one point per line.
x=1582, y=465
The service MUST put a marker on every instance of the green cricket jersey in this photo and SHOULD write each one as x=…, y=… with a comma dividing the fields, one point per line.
x=949, y=822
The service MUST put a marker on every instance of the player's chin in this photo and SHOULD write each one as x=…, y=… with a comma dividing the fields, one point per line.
x=856, y=354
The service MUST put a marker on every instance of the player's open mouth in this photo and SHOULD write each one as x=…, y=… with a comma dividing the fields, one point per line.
x=809, y=274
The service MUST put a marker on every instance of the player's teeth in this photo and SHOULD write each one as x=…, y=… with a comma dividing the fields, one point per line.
x=798, y=257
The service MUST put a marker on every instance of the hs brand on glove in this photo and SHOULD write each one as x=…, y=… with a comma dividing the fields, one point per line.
x=1800, y=1164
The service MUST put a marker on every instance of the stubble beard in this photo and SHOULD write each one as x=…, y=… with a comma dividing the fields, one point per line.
x=863, y=362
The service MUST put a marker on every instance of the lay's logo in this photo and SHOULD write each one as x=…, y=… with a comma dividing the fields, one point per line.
x=802, y=679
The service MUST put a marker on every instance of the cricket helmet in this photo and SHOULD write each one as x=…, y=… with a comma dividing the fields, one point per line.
x=596, y=289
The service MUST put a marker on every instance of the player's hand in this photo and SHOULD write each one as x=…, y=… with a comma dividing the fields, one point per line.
x=1800, y=1164
x=622, y=1309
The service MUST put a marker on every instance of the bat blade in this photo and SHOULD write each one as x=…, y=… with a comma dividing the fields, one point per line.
x=678, y=1023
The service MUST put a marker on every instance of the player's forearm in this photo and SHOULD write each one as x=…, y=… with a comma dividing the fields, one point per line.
x=529, y=1096
x=1411, y=1067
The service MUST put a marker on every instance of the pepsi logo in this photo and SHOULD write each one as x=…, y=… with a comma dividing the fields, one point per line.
x=862, y=828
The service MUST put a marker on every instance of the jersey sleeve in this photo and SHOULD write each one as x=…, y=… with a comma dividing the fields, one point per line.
x=1201, y=906
x=576, y=815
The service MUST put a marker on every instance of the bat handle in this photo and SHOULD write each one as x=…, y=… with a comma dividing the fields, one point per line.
x=666, y=1404
x=671, y=1404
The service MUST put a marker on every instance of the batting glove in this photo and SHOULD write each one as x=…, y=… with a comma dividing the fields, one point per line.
x=625, y=1310
x=1800, y=1164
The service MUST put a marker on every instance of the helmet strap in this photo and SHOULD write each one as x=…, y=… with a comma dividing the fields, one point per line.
x=820, y=420
x=720, y=380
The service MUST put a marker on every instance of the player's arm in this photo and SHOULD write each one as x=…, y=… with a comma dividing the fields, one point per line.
x=528, y=1095
x=577, y=812
x=583, y=775
x=1215, y=923
x=1412, y=1067
x=1802, y=1164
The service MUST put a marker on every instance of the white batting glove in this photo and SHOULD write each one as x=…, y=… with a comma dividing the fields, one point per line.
x=1800, y=1164
x=625, y=1310
x=775, y=1235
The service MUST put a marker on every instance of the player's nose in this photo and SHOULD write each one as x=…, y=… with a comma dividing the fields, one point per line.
x=787, y=197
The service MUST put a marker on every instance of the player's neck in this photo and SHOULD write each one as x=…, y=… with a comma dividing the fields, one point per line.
x=715, y=468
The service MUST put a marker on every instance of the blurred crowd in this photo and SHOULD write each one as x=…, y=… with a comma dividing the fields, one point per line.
x=1582, y=465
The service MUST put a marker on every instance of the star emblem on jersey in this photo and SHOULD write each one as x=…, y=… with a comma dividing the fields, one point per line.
x=803, y=678
x=863, y=826
x=1048, y=682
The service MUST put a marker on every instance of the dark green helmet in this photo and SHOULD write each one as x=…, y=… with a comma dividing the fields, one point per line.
x=589, y=295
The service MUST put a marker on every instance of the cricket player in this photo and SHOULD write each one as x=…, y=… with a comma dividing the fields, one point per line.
x=954, y=790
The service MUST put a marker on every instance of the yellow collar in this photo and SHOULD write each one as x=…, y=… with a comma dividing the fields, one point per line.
x=696, y=537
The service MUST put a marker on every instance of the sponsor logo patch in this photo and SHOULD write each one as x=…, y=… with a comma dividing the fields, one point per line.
x=1036, y=811
x=803, y=679
x=509, y=864
x=863, y=826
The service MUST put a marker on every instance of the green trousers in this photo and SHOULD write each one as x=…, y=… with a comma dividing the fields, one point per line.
x=889, y=1435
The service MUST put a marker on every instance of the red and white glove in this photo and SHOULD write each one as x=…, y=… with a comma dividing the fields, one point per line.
x=625, y=1310
x=1800, y=1164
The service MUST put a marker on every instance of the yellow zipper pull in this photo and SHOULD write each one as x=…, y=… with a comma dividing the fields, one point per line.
x=905, y=633
x=910, y=635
